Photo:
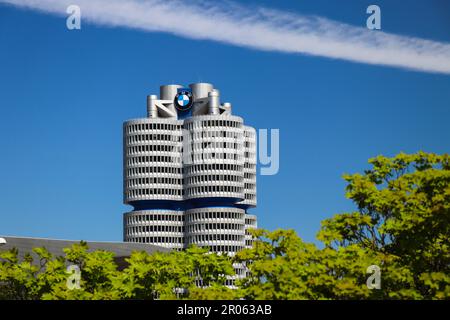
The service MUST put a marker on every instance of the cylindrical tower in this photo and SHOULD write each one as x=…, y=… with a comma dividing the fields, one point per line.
x=221, y=229
x=190, y=172
x=214, y=161
x=162, y=227
x=249, y=168
x=153, y=169
x=153, y=174
x=250, y=223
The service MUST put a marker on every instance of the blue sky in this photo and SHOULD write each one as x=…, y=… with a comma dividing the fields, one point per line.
x=64, y=95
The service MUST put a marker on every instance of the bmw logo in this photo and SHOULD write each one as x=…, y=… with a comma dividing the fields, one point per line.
x=184, y=100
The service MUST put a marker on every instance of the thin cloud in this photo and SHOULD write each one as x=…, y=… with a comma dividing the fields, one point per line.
x=259, y=28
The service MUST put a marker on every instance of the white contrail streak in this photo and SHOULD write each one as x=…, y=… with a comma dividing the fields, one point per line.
x=259, y=28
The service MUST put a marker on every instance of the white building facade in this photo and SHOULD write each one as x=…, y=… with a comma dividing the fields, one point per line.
x=189, y=172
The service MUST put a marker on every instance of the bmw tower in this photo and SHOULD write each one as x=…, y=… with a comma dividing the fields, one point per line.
x=189, y=172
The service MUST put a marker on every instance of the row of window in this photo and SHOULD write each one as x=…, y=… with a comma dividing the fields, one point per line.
x=154, y=228
x=225, y=248
x=199, y=190
x=196, y=168
x=198, y=156
x=191, y=125
x=154, y=137
x=247, y=232
x=214, y=177
x=249, y=135
x=135, y=182
x=249, y=175
x=135, y=193
x=154, y=169
x=190, y=217
x=214, y=237
x=157, y=240
x=153, y=180
x=228, y=283
x=190, y=191
x=152, y=126
x=202, y=145
x=202, y=134
x=180, y=240
x=213, y=123
x=146, y=159
x=249, y=144
x=154, y=217
x=192, y=169
x=195, y=216
x=204, y=153
x=250, y=196
x=194, y=147
x=153, y=148
x=214, y=226
x=193, y=135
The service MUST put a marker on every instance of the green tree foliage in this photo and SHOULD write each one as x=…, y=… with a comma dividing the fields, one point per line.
x=160, y=275
x=168, y=275
x=403, y=216
x=401, y=224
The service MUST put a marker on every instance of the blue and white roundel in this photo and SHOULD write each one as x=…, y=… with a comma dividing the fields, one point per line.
x=183, y=100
